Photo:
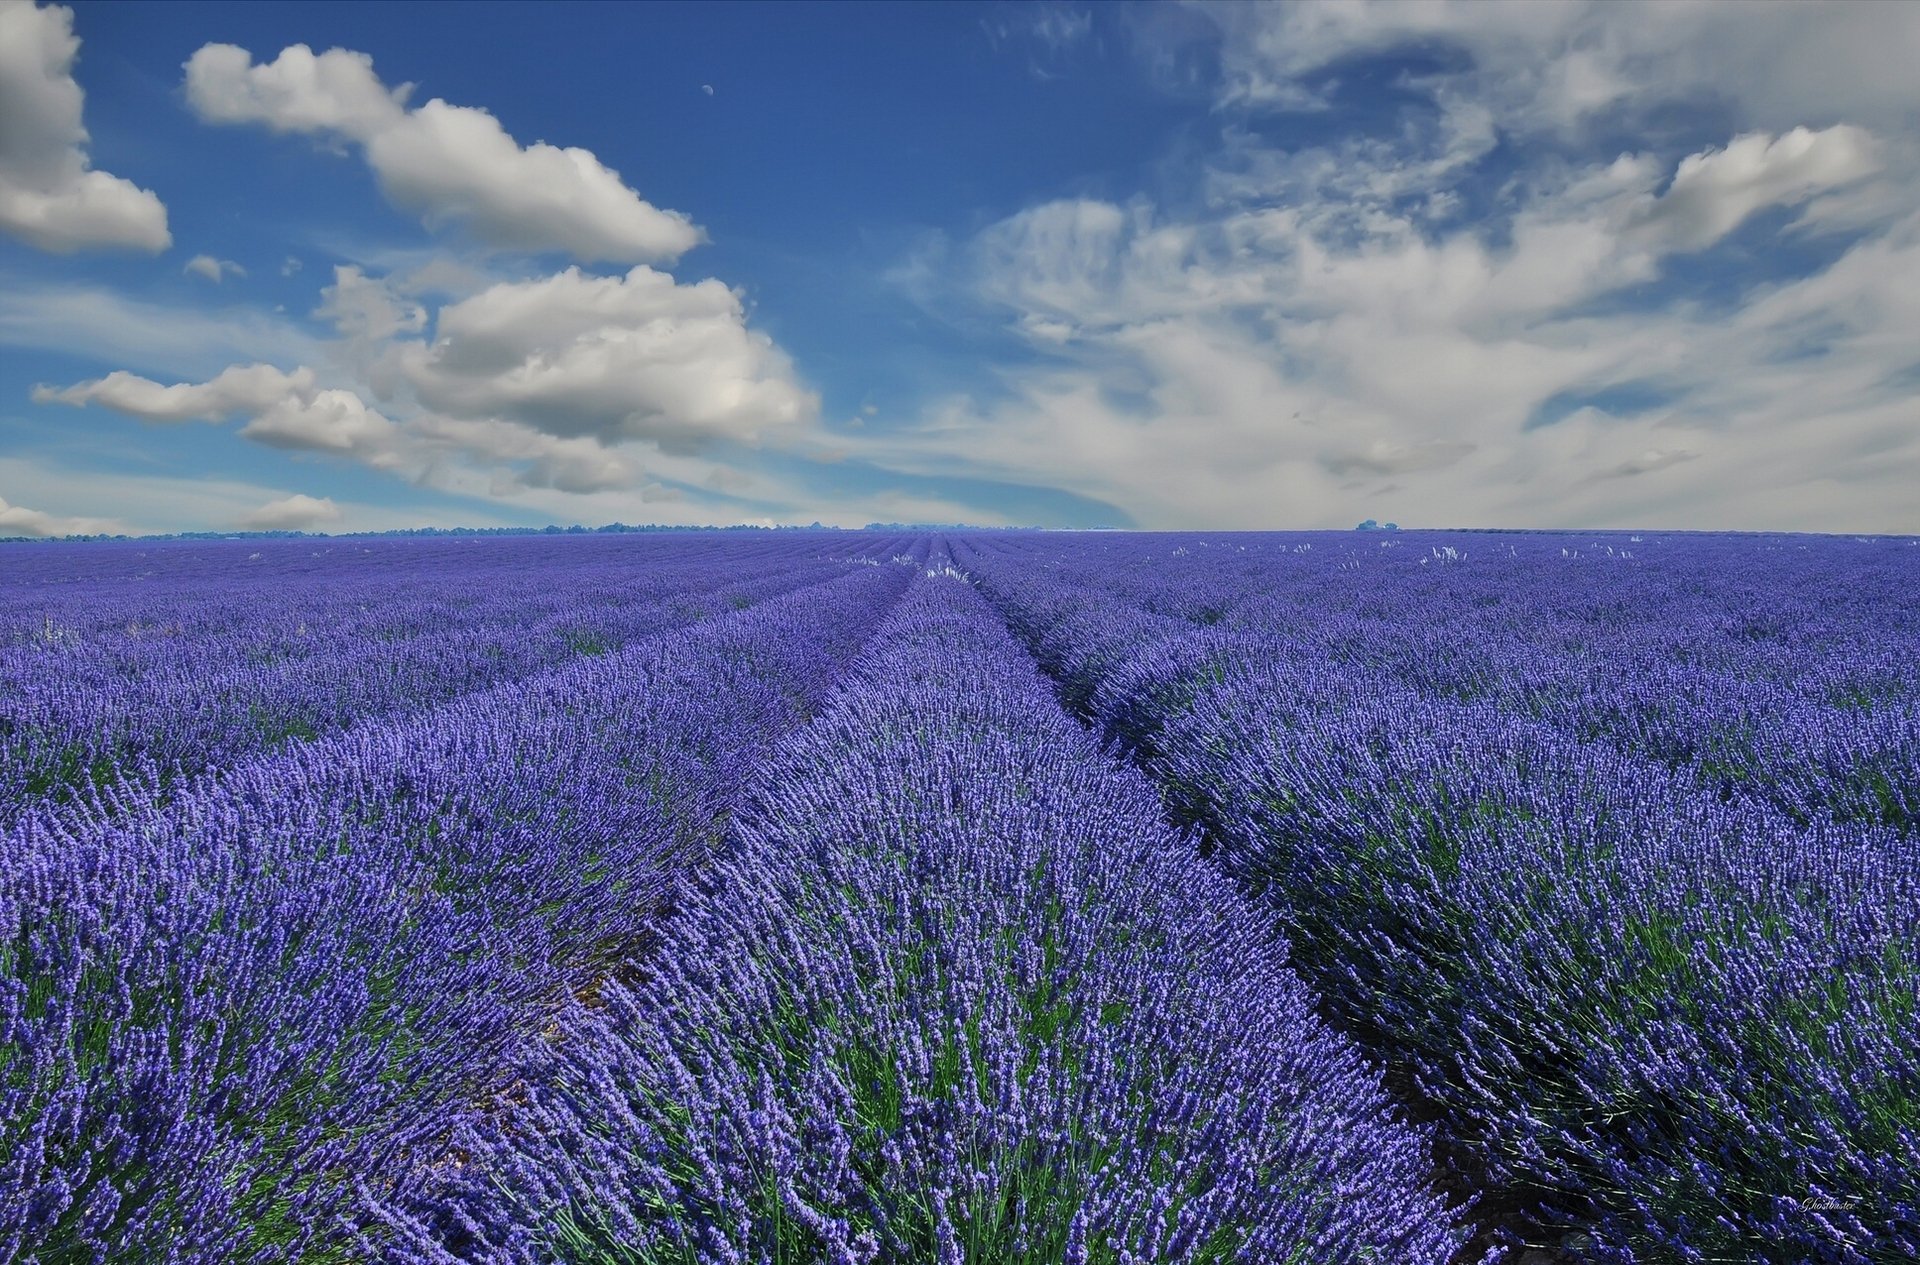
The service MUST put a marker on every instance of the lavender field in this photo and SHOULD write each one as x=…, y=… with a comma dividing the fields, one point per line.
x=984, y=897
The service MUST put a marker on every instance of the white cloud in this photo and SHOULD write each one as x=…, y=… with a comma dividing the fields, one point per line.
x=1372, y=326
x=441, y=276
x=333, y=92
x=533, y=458
x=213, y=269
x=613, y=358
x=571, y=385
x=1076, y=265
x=1051, y=29
x=18, y=520
x=452, y=163
x=1555, y=65
x=242, y=389
x=1714, y=191
x=50, y=196
x=298, y=512
x=291, y=411
x=1309, y=360
x=329, y=420
x=282, y=409
x=449, y=164
x=365, y=309
x=1299, y=336
x=150, y=502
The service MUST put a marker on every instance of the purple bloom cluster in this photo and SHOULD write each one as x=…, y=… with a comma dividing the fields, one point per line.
x=163, y=654
x=756, y=899
x=1607, y=848
x=955, y=993
x=235, y=1008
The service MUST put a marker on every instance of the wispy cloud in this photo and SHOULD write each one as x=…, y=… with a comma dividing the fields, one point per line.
x=1562, y=67
x=169, y=339
x=1060, y=26
x=1047, y=33
x=1325, y=327
x=134, y=504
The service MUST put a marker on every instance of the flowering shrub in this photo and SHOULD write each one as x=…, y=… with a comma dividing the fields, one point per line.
x=179, y=657
x=1645, y=936
x=225, y=1007
x=955, y=995
x=1008, y=898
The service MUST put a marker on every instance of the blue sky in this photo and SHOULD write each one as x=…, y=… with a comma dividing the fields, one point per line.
x=1174, y=265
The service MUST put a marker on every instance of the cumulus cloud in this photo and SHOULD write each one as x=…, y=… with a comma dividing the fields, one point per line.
x=447, y=163
x=638, y=356
x=298, y=512
x=282, y=409
x=292, y=412
x=214, y=270
x=330, y=420
x=571, y=384
x=335, y=92
x=242, y=389
x=18, y=520
x=50, y=195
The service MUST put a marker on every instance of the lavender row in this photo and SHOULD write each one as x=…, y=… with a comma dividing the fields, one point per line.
x=129, y=612
x=1774, y=669
x=228, y=1017
x=1673, y=1024
x=956, y=994
x=251, y=663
